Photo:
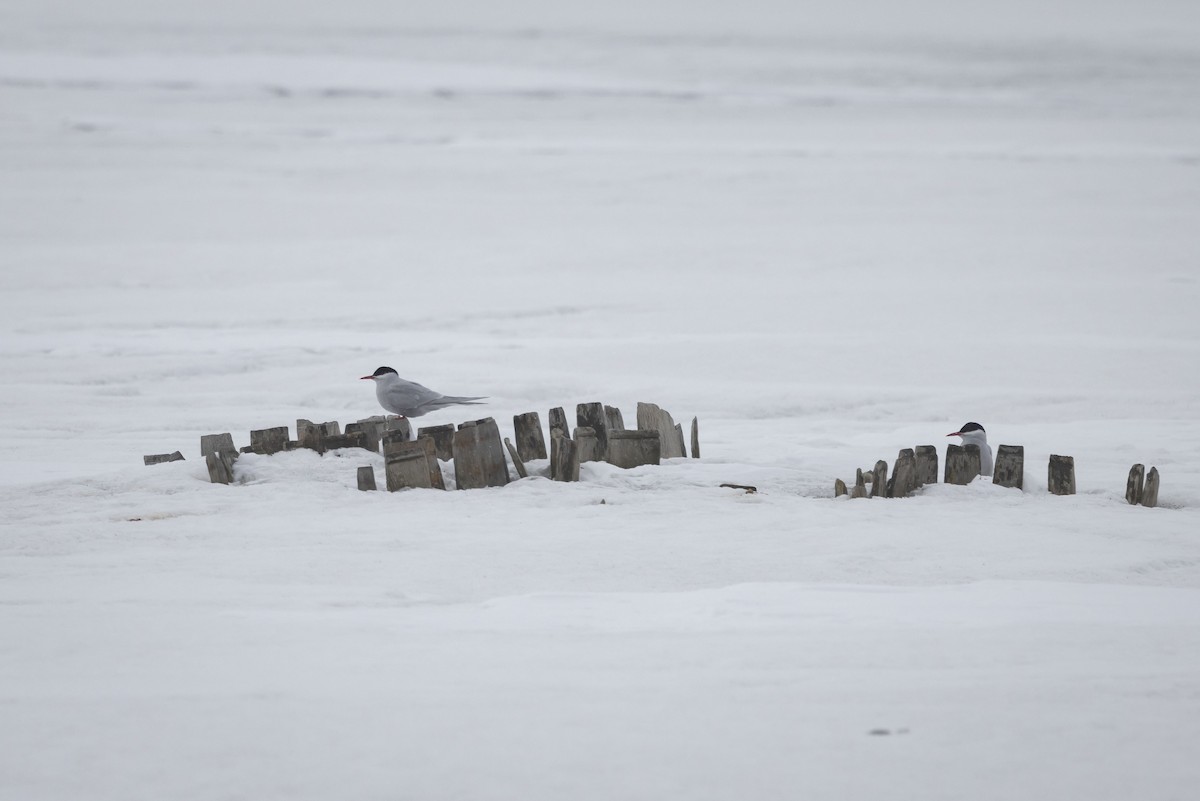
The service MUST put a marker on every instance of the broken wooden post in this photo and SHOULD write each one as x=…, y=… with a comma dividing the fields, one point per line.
x=860, y=486
x=879, y=480
x=695, y=437
x=1010, y=466
x=593, y=416
x=407, y=471
x=564, y=457
x=904, y=475
x=962, y=464
x=370, y=431
x=558, y=422
x=527, y=430
x=267, y=441
x=351, y=439
x=615, y=421
x=679, y=436
x=443, y=439
x=395, y=447
x=927, y=464
x=159, y=458
x=652, y=418
x=839, y=488
x=220, y=466
x=479, y=455
x=1150, y=490
x=1135, y=485
x=517, y=461
x=587, y=444
x=1061, y=479
x=628, y=449
x=212, y=443
x=312, y=435
x=366, y=477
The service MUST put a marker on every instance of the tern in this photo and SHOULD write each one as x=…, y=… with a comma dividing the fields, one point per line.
x=973, y=434
x=408, y=398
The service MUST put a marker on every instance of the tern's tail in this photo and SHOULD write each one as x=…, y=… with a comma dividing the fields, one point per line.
x=454, y=400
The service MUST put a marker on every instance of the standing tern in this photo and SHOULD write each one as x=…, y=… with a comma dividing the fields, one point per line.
x=408, y=398
x=973, y=434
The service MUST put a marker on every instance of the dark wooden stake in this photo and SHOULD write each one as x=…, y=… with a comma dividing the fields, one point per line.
x=1010, y=466
x=628, y=449
x=904, y=474
x=1150, y=491
x=860, y=486
x=366, y=477
x=839, y=488
x=879, y=480
x=593, y=416
x=443, y=439
x=527, y=430
x=558, y=422
x=220, y=466
x=564, y=457
x=695, y=437
x=479, y=455
x=1061, y=479
x=962, y=464
x=927, y=464
x=1135, y=485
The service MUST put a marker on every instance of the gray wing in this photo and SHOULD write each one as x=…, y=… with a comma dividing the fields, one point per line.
x=442, y=401
x=407, y=398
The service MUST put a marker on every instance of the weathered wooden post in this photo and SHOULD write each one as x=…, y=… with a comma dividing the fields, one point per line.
x=220, y=466
x=366, y=477
x=652, y=418
x=312, y=435
x=593, y=416
x=159, y=458
x=679, y=436
x=558, y=422
x=367, y=432
x=351, y=439
x=904, y=474
x=443, y=439
x=879, y=480
x=517, y=461
x=267, y=441
x=962, y=464
x=1135, y=485
x=212, y=443
x=695, y=437
x=615, y=421
x=479, y=455
x=628, y=449
x=527, y=430
x=1150, y=491
x=1062, y=475
x=927, y=464
x=398, y=448
x=407, y=471
x=564, y=457
x=587, y=444
x=860, y=486
x=839, y=488
x=1010, y=466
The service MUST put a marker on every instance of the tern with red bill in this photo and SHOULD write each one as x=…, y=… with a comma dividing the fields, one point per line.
x=973, y=434
x=408, y=398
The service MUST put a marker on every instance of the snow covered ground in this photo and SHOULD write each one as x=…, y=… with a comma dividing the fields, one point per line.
x=829, y=233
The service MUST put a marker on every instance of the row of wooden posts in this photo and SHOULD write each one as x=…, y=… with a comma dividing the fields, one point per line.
x=916, y=467
x=474, y=447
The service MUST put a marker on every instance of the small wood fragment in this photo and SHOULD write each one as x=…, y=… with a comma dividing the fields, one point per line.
x=749, y=490
x=160, y=458
x=517, y=461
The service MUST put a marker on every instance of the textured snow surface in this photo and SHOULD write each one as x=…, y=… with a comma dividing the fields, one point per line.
x=828, y=233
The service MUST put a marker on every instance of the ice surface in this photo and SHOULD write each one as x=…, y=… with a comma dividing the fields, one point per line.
x=829, y=233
